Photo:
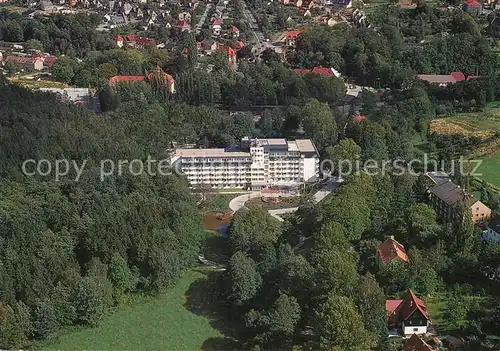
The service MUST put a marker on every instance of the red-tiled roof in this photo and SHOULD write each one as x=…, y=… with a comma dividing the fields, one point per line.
x=181, y=24
x=359, y=119
x=118, y=38
x=459, y=76
x=322, y=71
x=124, y=79
x=453, y=77
x=234, y=29
x=160, y=74
x=410, y=305
x=216, y=22
x=240, y=45
x=302, y=71
x=144, y=41
x=391, y=249
x=20, y=59
x=292, y=34
x=227, y=50
x=472, y=3
x=131, y=37
x=401, y=310
x=415, y=343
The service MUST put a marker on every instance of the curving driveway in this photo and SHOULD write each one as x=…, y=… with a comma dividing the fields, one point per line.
x=239, y=202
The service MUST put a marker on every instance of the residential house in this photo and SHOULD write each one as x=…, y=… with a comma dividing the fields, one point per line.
x=415, y=343
x=290, y=38
x=322, y=71
x=182, y=25
x=408, y=314
x=235, y=32
x=30, y=63
x=160, y=77
x=117, y=20
x=185, y=16
x=493, y=231
x=138, y=42
x=442, y=79
x=239, y=45
x=157, y=76
x=473, y=7
x=448, y=199
x=231, y=54
x=207, y=46
x=391, y=250
x=216, y=26
x=119, y=41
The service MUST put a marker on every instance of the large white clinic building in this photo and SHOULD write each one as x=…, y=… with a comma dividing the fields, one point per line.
x=256, y=164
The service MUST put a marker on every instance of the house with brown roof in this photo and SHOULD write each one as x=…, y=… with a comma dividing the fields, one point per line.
x=155, y=77
x=408, y=314
x=207, y=46
x=443, y=80
x=448, y=199
x=391, y=250
x=415, y=343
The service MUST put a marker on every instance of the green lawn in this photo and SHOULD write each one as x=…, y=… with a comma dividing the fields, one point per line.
x=163, y=323
x=490, y=168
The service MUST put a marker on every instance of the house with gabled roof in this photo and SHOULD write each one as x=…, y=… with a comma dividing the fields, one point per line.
x=391, y=250
x=216, y=26
x=415, y=343
x=157, y=77
x=473, y=7
x=322, y=71
x=408, y=314
x=448, y=198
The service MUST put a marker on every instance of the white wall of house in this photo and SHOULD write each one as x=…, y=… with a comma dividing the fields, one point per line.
x=414, y=329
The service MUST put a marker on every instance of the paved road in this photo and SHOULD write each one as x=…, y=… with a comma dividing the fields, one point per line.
x=252, y=24
x=276, y=213
x=239, y=202
x=203, y=18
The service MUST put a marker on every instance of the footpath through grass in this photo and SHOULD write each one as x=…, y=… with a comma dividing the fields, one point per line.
x=163, y=323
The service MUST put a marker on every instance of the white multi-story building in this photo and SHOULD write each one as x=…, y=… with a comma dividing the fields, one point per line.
x=257, y=163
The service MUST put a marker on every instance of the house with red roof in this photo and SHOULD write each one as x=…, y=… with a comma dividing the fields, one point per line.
x=473, y=7
x=182, y=25
x=409, y=314
x=35, y=62
x=118, y=41
x=235, y=32
x=359, y=119
x=135, y=41
x=290, y=37
x=216, y=26
x=239, y=45
x=390, y=249
x=156, y=77
x=415, y=343
x=322, y=71
x=443, y=79
x=231, y=54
